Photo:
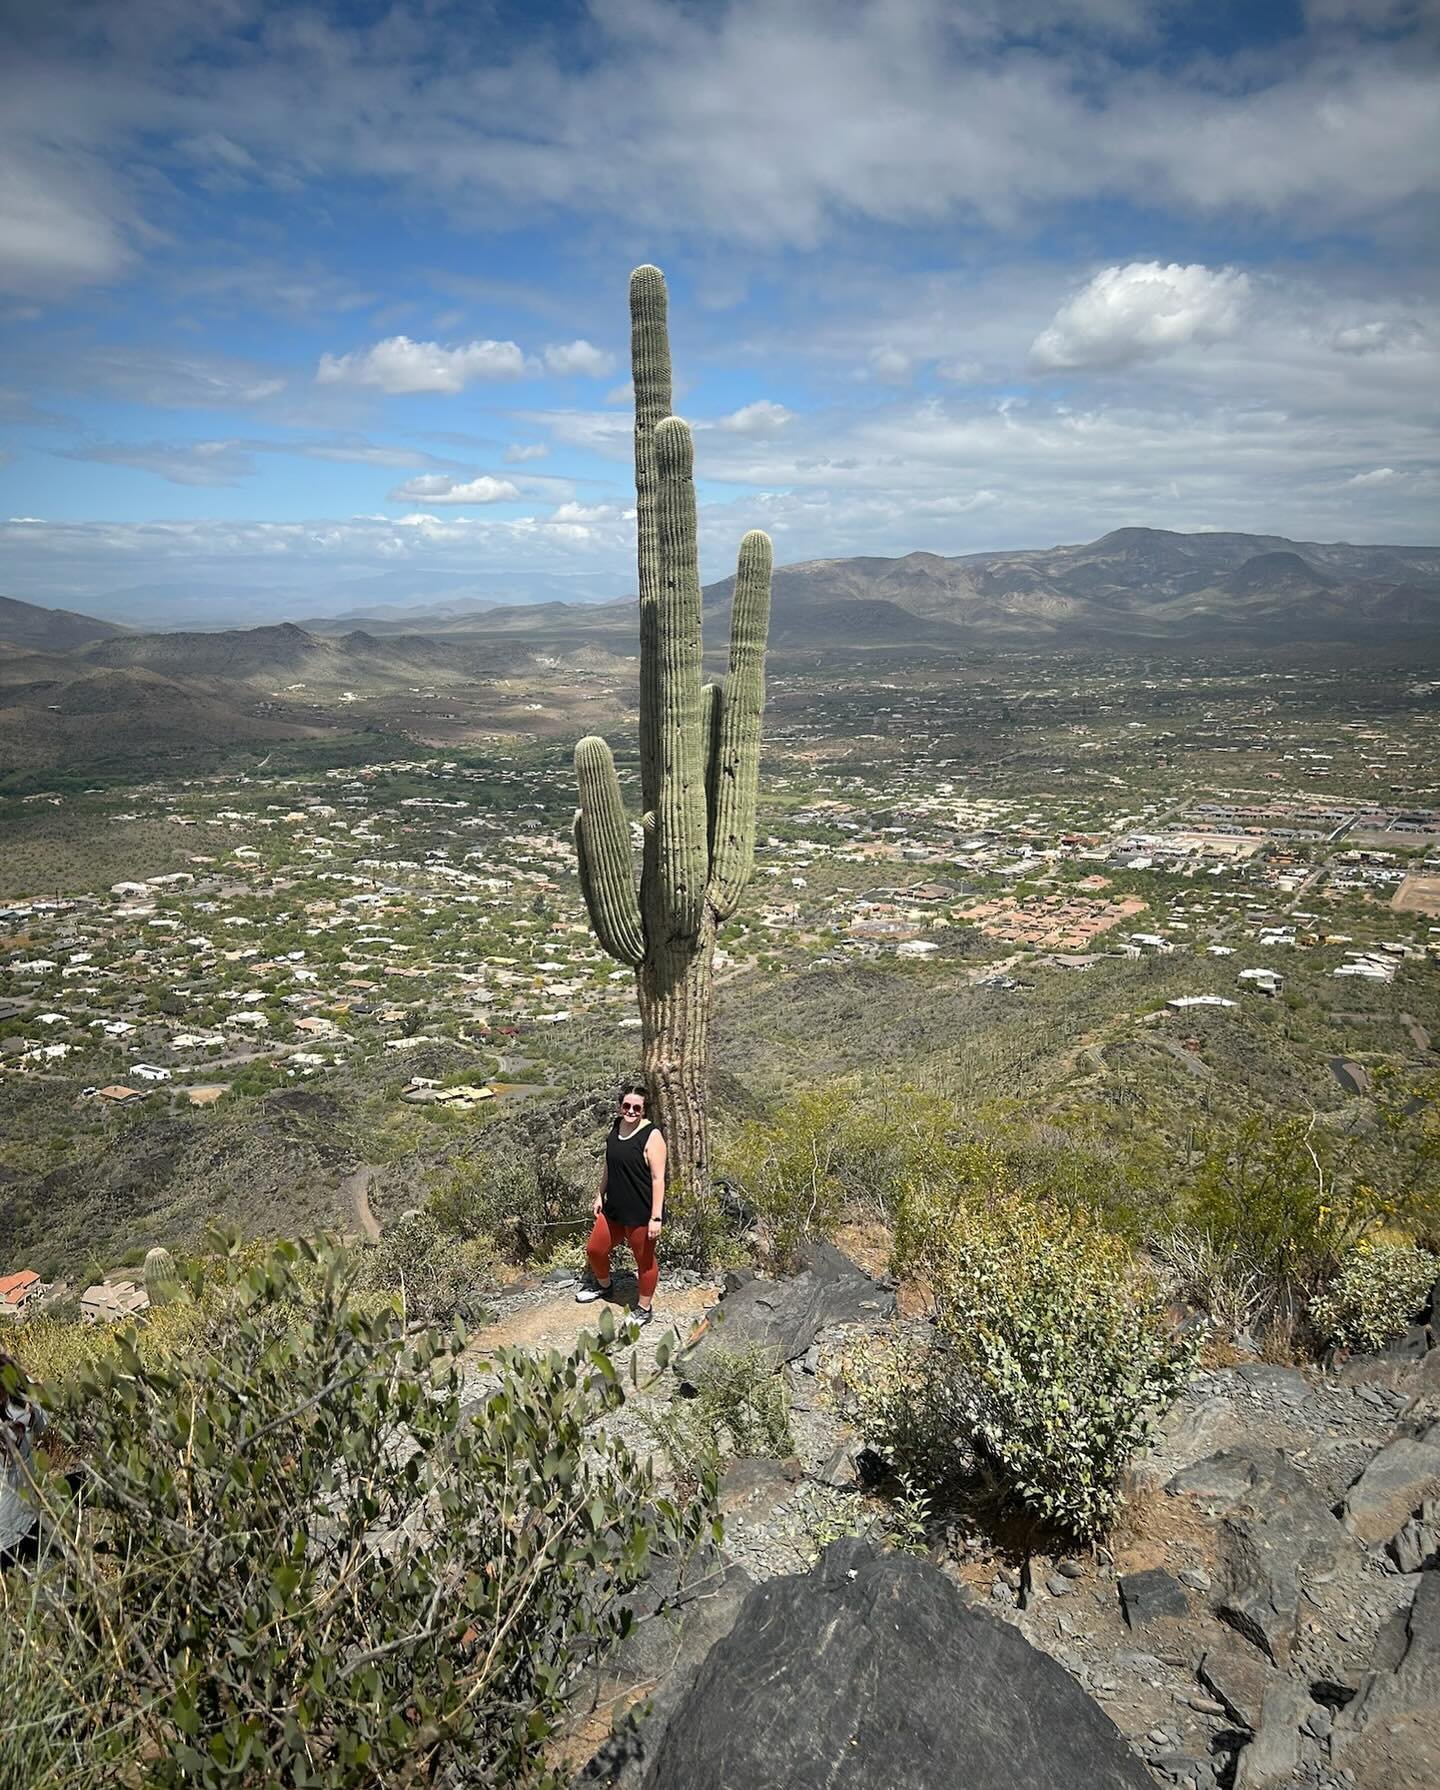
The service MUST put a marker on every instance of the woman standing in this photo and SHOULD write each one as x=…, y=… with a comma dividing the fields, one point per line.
x=630, y=1205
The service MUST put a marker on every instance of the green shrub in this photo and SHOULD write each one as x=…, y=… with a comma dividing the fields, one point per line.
x=911, y=1401
x=1284, y=1202
x=439, y=1277
x=1062, y=1345
x=740, y=1408
x=1377, y=1292
x=498, y=1197
x=832, y=1153
x=294, y=1562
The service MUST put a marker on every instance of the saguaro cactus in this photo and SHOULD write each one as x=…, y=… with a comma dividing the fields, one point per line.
x=699, y=763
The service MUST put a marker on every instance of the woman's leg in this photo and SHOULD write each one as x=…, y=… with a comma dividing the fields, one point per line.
x=642, y=1247
x=598, y=1246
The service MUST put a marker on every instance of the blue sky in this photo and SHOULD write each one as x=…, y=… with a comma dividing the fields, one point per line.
x=306, y=308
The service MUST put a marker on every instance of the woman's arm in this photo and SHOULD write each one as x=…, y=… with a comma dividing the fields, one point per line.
x=604, y=1183
x=655, y=1156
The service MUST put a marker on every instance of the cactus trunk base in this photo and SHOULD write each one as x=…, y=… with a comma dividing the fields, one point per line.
x=676, y=992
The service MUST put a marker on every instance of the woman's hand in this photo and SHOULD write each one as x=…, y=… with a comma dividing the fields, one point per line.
x=599, y=1201
x=654, y=1228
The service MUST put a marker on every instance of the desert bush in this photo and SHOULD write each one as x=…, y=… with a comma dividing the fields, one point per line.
x=911, y=1400
x=1061, y=1341
x=1285, y=1204
x=499, y=1197
x=834, y=1152
x=739, y=1408
x=293, y=1562
x=439, y=1277
x=1227, y=1284
x=55, y=1351
x=1377, y=1292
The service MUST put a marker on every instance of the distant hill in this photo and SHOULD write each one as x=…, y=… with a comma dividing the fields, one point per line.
x=1142, y=583
x=123, y=715
x=1137, y=583
x=71, y=686
x=286, y=659
x=49, y=630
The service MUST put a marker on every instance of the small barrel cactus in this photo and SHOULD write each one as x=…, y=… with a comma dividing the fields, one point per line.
x=162, y=1280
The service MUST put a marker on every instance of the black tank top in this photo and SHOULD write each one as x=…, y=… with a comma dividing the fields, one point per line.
x=627, y=1175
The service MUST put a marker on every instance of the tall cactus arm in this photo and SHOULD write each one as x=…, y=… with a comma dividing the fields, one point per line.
x=712, y=707
x=650, y=374
x=737, y=769
x=602, y=847
x=682, y=853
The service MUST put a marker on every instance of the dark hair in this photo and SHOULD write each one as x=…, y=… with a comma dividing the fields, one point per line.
x=635, y=1087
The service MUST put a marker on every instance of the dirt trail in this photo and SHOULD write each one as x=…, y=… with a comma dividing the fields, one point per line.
x=355, y=1190
x=557, y=1322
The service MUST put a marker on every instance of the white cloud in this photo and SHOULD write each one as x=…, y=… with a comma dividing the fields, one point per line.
x=580, y=357
x=399, y=365
x=435, y=487
x=204, y=463
x=362, y=453
x=1140, y=311
x=61, y=223
x=166, y=379
x=520, y=451
x=890, y=364
x=1382, y=475
x=1378, y=336
x=763, y=417
x=585, y=512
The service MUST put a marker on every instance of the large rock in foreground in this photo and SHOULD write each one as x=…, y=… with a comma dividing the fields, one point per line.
x=872, y=1672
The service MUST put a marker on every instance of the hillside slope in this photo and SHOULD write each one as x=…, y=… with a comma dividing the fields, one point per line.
x=40, y=630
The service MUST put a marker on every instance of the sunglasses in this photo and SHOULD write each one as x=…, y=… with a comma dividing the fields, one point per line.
x=631, y=1106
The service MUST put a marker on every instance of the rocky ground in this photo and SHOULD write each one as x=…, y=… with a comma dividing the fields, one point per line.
x=1267, y=1617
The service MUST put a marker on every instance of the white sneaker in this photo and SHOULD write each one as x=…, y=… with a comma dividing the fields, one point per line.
x=590, y=1289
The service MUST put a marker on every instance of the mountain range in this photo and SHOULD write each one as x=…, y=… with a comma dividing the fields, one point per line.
x=1144, y=582
x=62, y=674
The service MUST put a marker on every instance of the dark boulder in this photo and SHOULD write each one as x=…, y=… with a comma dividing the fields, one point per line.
x=1276, y=1532
x=871, y=1672
x=1151, y=1596
x=785, y=1316
x=676, y=1624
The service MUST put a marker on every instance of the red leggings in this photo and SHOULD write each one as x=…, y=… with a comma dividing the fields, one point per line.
x=608, y=1235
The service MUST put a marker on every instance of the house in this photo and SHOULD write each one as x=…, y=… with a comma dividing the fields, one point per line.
x=149, y=1072
x=110, y=1301
x=119, y=1095
x=17, y=1291
x=205, y=1096
x=1182, y=1001
x=1268, y=982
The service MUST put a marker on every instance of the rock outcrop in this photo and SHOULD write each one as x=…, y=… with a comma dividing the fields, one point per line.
x=785, y=1316
x=874, y=1672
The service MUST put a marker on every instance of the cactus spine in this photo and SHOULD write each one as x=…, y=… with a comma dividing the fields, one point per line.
x=699, y=762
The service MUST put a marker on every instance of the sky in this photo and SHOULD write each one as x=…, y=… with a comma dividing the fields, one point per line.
x=308, y=309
